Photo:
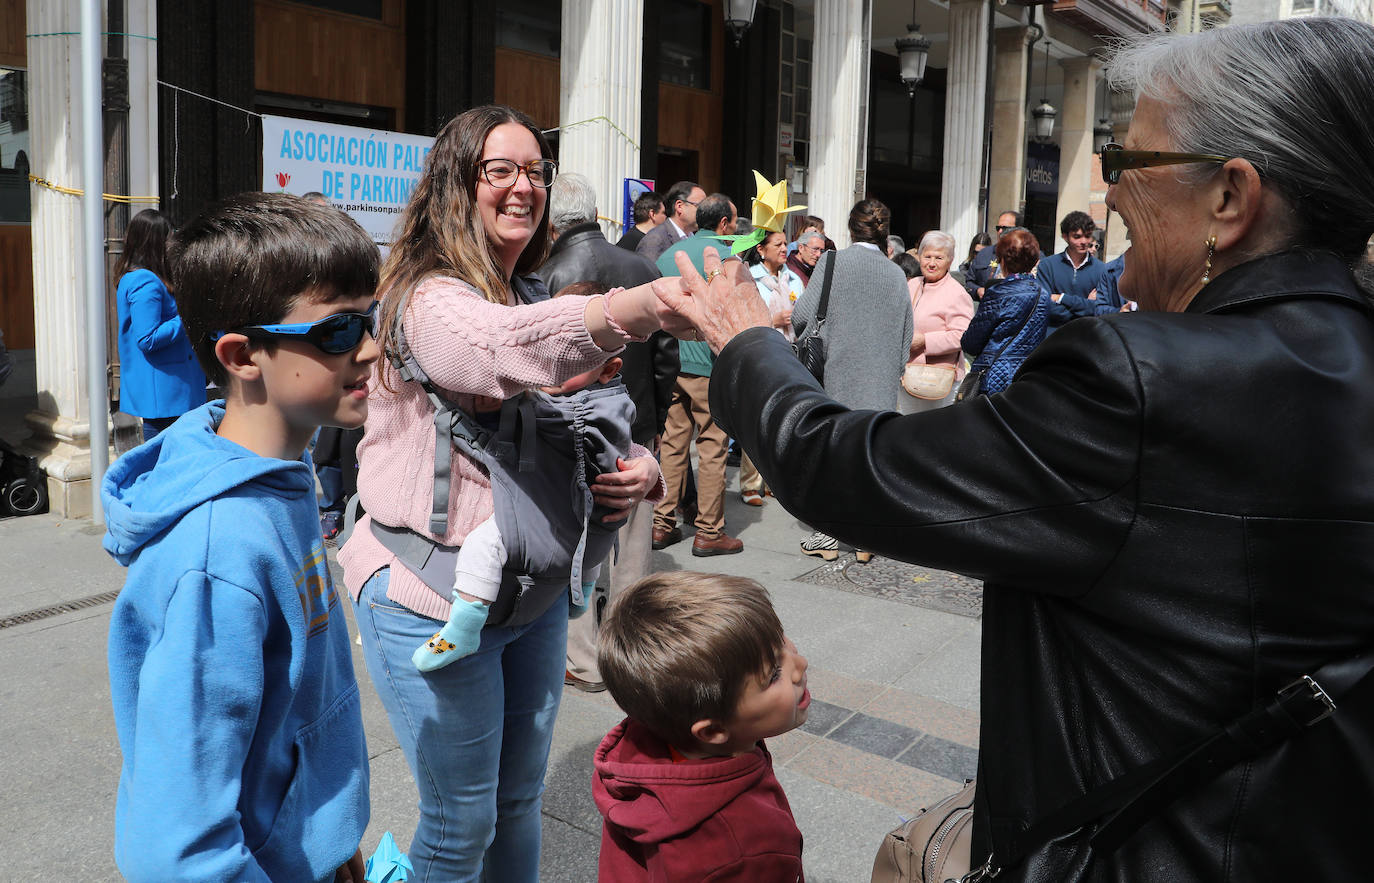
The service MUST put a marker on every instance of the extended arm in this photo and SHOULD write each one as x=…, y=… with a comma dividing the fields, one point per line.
x=1032, y=486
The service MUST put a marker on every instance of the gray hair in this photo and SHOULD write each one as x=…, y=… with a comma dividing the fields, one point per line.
x=810, y=235
x=895, y=243
x=936, y=239
x=1289, y=96
x=572, y=201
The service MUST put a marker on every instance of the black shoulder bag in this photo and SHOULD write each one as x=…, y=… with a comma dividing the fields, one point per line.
x=810, y=347
x=972, y=384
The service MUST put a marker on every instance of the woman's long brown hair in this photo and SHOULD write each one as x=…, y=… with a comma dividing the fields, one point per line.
x=440, y=232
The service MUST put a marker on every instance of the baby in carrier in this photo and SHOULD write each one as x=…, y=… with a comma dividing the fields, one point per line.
x=578, y=430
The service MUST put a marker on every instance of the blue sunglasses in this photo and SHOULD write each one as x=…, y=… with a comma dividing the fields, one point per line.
x=335, y=335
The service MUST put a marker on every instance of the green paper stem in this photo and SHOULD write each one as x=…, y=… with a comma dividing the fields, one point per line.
x=744, y=243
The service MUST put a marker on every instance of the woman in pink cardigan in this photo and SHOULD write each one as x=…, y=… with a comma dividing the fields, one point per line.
x=942, y=310
x=476, y=733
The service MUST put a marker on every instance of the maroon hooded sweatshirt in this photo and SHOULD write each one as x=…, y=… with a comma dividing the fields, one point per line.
x=713, y=819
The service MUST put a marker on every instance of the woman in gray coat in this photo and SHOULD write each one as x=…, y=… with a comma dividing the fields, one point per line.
x=868, y=327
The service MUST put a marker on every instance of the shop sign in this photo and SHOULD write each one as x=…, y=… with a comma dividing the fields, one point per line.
x=1042, y=170
x=633, y=189
x=786, y=133
x=368, y=173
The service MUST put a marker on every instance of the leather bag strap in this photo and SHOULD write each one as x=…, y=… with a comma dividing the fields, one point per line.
x=824, y=306
x=1035, y=302
x=1134, y=798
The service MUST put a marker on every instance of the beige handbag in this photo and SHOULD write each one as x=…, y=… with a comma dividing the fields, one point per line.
x=933, y=846
x=929, y=382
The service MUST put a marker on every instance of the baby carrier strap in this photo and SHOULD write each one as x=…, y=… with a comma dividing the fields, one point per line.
x=452, y=425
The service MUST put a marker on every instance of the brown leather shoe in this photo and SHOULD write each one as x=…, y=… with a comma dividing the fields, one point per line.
x=721, y=545
x=663, y=538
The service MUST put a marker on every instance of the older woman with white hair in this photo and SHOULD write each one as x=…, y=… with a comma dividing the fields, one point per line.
x=1173, y=509
x=941, y=310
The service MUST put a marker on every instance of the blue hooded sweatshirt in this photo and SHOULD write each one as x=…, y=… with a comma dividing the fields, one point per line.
x=231, y=672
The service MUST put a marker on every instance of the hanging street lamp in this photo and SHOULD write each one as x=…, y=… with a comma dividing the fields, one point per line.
x=1045, y=113
x=739, y=14
x=912, y=52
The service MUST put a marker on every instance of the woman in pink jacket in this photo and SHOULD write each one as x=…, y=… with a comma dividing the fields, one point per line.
x=941, y=310
x=476, y=734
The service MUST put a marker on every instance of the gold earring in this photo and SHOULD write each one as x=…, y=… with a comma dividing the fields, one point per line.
x=1211, y=249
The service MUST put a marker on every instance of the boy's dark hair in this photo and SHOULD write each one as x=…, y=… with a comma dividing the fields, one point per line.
x=1076, y=221
x=582, y=289
x=870, y=221
x=246, y=261
x=647, y=203
x=145, y=244
x=678, y=647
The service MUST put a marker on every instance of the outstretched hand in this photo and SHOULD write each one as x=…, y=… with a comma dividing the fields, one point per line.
x=715, y=312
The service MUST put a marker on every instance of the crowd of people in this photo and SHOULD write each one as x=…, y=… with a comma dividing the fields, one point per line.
x=1167, y=681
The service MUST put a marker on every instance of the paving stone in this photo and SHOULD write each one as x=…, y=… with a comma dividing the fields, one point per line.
x=874, y=735
x=896, y=785
x=923, y=713
x=822, y=717
x=942, y=757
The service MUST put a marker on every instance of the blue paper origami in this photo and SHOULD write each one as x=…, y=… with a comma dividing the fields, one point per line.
x=388, y=864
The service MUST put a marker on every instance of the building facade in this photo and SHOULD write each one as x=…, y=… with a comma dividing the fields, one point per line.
x=626, y=89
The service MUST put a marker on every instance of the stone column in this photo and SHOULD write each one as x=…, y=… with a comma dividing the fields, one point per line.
x=61, y=432
x=141, y=18
x=965, y=99
x=839, y=113
x=600, y=75
x=1007, y=178
x=1076, y=136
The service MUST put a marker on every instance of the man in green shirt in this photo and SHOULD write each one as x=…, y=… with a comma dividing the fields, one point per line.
x=691, y=409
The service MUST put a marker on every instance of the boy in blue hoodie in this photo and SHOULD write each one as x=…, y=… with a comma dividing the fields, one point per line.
x=231, y=671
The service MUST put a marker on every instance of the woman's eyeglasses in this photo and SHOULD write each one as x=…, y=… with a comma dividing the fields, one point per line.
x=1116, y=159
x=503, y=173
x=334, y=335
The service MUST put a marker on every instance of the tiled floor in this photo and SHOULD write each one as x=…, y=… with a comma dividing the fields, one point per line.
x=880, y=744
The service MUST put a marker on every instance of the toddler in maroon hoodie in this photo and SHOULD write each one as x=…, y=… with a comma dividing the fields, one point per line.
x=685, y=785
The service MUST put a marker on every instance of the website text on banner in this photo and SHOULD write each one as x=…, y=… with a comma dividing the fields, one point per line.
x=368, y=173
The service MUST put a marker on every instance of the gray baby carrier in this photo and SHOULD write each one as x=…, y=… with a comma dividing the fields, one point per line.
x=539, y=461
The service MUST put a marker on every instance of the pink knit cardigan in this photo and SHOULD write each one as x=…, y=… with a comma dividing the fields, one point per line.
x=469, y=347
x=941, y=312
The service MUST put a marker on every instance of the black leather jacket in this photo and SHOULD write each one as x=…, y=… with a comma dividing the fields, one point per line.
x=582, y=254
x=1174, y=516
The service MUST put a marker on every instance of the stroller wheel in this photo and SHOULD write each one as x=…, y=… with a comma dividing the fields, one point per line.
x=24, y=496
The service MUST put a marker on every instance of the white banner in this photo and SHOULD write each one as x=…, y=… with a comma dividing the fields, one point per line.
x=368, y=173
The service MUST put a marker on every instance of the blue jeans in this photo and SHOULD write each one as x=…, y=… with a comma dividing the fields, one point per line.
x=153, y=426
x=475, y=733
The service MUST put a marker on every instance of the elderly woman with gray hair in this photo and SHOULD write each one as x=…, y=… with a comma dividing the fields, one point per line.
x=941, y=310
x=1173, y=509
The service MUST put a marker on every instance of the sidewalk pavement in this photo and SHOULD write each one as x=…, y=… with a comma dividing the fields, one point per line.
x=893, y=652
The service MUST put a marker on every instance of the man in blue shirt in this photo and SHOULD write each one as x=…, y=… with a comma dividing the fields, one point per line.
x=1071, y=277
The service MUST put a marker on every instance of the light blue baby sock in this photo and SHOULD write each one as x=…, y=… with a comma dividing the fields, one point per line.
x=458, y=638
x=578, y=606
